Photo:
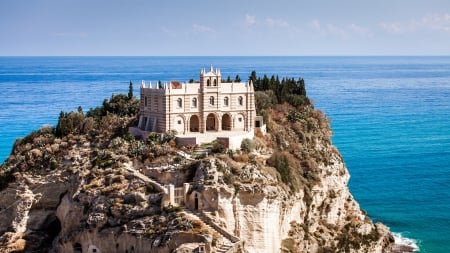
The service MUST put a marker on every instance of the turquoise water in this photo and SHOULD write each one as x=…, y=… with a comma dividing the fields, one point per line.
x=390, y=117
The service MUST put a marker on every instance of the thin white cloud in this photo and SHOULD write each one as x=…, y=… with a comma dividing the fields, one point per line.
x=315, y=25
x=338, y=31
x=359, y=30
x=398, y=28
x=201, y=28
x=277, y=23
x=250, y=20
x=342, y=32
x=439, y=22
x=434, y=22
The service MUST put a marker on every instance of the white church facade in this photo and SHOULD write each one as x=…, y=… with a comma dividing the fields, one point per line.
x=200, y=111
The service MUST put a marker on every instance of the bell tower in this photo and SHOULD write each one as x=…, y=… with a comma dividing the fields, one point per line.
x=211, y=79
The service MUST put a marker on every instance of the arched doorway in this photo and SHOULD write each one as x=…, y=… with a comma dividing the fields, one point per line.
x=196, y=201
x=194, y=124
x=211, y=122
x=77, y=248
x=226, y=122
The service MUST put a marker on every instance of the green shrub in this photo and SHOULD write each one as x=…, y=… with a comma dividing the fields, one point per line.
x=248, y=145
x=280, y=162
x=217, y=146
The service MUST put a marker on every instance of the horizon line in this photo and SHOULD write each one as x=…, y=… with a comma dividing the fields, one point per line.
x=412, y=55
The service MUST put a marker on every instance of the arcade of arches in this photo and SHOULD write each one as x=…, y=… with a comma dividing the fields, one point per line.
x=212, y=123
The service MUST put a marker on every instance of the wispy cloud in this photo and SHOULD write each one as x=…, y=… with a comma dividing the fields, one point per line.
x=359, y=30
x=434, y=22
x=249, y=20
x=326, y=29
x=398, y=28
x=340, y=31
x=277, y=23
x=202, y=28
x=439, y=22
x=315, y=25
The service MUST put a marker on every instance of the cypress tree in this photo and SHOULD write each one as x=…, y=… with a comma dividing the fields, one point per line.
x=130, y=91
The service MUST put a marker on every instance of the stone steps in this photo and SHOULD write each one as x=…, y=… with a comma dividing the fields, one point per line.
x=226, y=243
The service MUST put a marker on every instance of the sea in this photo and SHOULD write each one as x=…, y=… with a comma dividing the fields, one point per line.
x=390, y=118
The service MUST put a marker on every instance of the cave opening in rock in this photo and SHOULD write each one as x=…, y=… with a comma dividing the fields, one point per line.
x=41, y=239
x=77, y=248
x=53, y=229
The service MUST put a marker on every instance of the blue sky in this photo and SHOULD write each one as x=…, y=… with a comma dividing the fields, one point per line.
x=232, y=27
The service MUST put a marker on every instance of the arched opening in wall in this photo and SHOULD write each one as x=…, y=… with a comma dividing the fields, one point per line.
x=196, y=201
x=215, y=82
x=77, y=248
x=208, y=82
x=226, y=122
x=144, y=123
x=211, y=122
x=194, y=124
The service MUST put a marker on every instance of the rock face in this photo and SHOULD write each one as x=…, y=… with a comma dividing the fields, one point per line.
x=84, y=193
x=270, y=218
x=312, y=211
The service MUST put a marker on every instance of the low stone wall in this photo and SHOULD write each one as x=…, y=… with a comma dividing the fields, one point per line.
x=186, y=141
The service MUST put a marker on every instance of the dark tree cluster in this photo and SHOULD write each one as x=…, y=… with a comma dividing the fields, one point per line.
x=80, y=123
x=121, y=105
x=271, y=91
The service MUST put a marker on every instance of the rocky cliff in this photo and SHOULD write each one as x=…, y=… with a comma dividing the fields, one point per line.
x=291, y=195
x=86, y=191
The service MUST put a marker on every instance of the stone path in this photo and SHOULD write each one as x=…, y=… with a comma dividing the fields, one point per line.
x=146, y=179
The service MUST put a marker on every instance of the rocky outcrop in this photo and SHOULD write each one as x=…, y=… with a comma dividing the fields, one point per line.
x=78, y=193
x=86, y=192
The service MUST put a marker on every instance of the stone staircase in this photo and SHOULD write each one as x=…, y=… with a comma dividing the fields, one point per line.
x=146, y=179
x=199, y=152
x=228, y=242
x=226, y=245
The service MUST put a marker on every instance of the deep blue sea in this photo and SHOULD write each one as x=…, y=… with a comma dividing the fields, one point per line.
x=390, y=117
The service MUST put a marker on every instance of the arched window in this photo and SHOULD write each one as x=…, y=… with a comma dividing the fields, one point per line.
x=194, y=102
x=179, y=103
x=208, y=82
x=215, y=82
x=211, y=100
x=225, y=101
x=240, y=101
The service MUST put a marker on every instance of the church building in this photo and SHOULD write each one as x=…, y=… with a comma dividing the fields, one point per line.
x=209, y=107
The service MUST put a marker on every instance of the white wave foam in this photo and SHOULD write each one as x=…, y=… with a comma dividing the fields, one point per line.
x=400, y=240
